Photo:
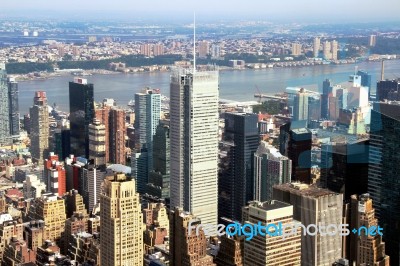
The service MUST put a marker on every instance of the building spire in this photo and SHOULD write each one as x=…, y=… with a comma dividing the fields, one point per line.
x=383, y=70
x=194, y=42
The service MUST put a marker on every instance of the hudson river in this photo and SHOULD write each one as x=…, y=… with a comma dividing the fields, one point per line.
x=237, y=85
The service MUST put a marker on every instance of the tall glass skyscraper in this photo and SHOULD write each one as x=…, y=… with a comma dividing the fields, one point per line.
x=81, y=108
x=241, y=130
x=194, y=143
x=147, y=118
x=13, y=106
x=4, y=107
x=383, y=173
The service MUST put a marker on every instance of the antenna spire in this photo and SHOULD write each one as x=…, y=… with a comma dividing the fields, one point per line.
x=194, y=42
x=383, y=70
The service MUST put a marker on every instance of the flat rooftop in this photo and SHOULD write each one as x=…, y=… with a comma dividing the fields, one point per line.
x=305, y=190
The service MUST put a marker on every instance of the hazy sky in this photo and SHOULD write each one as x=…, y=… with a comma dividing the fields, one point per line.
x=329, y=10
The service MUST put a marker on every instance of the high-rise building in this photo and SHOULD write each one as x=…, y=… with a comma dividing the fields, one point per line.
x=384, y=87
x=187, y=248
x=215, y=51
x=194, y=143
x=372, y=40
x=230, y=251
x=97, y=143
x=334, y=50
x=117, y=136
x=366, y=249
x=344, y=166
x=306, y=105
x=33, y=187
x=147, y=118
x=383, y=185
x=102, y=114
x=267, y=249
x=326, y=91
x=55, y=175
x=13, y=106
x=241, y=130
x=121, y=223
x=326, y=50
x=62, y=145
x=313, y=205
x=146, y=49
x=365, y=80
x=296, y=49
x=316, y=46
x=270, y=168
x=39, y=135
x=50, y=209
x=158, y=49
x=295, y=143
x=4, y=107
x=74, y=203
x=157, y=225
x=204, y=49
x=159, y=176
x=81, y=107
x=9, y=228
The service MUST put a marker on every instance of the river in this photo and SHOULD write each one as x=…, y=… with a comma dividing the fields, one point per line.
x=234, y=85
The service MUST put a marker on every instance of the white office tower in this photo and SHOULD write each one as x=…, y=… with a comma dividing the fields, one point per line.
x=194, y=143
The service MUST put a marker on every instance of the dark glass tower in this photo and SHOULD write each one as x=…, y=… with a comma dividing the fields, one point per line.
x=159, y=179
x=344, y=167
x=241, y=130
x=384, y=87
x=81, y=107
x=295, y=143
x=326, y=90
x=384, y=173
x=13, y=106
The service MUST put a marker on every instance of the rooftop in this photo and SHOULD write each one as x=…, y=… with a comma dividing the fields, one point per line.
x=305, y=190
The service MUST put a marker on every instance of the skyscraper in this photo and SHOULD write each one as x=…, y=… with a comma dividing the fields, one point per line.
x=194, y=143
x=121, y=223
x=383, y=185
x=344, y=166
x=147, y=118
x=313, y=205
x=159, y=176
x=326, y=49
x=241, y=130
x=39, y=136
x=97, y=143
x=13, y=106
x=372, y=40
x=4, y=106
x=295, y=143
x=365, y=80
x=326, y=91
x=366, y=249
x=334, y=50
x=384, y=87
x=81, y=108
x=204, y=49
x=296, y=49
x=55, y=175
x=230, y=251
x=272, y=250
x=117, y=136
x=316, y=46
x=270, y=168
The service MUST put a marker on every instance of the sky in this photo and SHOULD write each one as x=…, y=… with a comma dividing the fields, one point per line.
x=290, y=10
